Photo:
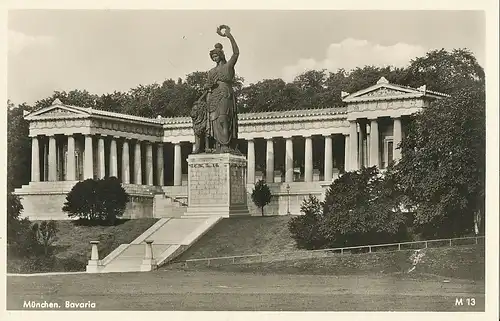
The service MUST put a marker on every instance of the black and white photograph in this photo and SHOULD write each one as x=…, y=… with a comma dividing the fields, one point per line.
x=260, y=160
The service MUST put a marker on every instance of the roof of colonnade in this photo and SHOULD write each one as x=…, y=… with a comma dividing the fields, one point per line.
x=381, y=99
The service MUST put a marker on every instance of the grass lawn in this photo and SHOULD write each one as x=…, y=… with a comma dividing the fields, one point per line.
x=243, y=235
x=73, y=242
x=216, y=291
x=462, y=262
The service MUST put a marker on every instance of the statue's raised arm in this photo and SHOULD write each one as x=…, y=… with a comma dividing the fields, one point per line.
x=236, y=51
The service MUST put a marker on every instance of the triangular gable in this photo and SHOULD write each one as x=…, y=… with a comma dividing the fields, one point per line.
x=383, y=89
x=57, y=110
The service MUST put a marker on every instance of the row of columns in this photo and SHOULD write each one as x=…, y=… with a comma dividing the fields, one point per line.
x=354, y=156
x=88, y=161
x=308, y=159
x=356, y=145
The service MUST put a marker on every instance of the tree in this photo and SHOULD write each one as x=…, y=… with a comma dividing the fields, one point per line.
x=361, y=208
x=16, y=227
x=97, y=201
x=442, y=170
x=80, y=98
x=46, y=234
x=261, y=195
x=266, y=95
x=306, y=229
x=18, y=147
x=445, y=71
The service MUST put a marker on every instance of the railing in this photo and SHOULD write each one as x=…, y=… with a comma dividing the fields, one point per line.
x=305, y=254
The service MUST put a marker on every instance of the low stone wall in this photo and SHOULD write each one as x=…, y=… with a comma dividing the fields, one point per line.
x=139, y=207
x=43, y=206
x=44, y=200
x=282, y=199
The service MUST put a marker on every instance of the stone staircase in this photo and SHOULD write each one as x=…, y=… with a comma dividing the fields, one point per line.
x=171, y=236
x=169, y=206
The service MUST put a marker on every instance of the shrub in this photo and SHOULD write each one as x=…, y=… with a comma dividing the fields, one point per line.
x=45, y=234
x=19, y=237
x=99, y=201
x=363, y=207
x=261, y=195
x=306, y=229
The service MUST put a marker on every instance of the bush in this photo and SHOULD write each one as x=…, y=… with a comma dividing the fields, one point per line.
x=45, y=234
x=364, y=207
x=261, y=195
x=20, y=239
x=100, y=201
x=306, y=229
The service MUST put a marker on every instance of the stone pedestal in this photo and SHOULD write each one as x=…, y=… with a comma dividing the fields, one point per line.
x=149, y=262
x=217, y=185
x=94, y=264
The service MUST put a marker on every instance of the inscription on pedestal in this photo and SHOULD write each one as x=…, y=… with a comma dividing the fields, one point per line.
x=217, y=185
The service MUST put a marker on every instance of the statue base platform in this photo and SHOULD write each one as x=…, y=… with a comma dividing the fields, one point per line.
x=217, y=185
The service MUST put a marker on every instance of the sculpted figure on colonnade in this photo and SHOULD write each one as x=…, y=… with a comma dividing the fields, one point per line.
x=221, y=122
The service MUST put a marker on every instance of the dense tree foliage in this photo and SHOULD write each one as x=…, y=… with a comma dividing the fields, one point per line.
x=17, y=228
x=443, y=168
x=361, y=207
x=306, y=229
x=18, y=147
x=445, y=71
x=96, y=201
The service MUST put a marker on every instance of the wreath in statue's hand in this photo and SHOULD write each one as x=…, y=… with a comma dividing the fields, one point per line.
x=226, y=29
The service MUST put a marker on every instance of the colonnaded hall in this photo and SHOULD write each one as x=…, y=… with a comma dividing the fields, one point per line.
x=297, y=152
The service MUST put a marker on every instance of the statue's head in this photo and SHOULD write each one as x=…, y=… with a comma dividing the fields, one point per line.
x=217, y=54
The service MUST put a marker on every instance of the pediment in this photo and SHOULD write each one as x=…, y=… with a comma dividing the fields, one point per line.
x=383, y=91
x=56, y=111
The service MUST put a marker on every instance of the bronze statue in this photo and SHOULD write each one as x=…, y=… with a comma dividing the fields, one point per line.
x=199, y=115
x=221, y=115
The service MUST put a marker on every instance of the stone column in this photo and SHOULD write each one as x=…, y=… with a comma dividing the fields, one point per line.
x=35, y=160
x=288, y=160
x=88, y=162
x=308, y=157
x=374, y=144
x=52, y=159
x=177, y=165
x=160, y=165
x=328, y=158
x=269, y=160
x=366, y=146
x=113, y=158
x=361, y=144
x=125, y=163
x=101, y=157
x=149, y=164
x=45, y=152
x=71, y=169
x=397, y=138
x=251, y=162
x=137, y=163
x=346, y=153
x=353, y=146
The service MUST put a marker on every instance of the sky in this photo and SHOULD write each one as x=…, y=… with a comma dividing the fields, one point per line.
x=102, y=51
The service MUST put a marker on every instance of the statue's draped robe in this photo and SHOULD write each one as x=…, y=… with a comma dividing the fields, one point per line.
x=222, y=105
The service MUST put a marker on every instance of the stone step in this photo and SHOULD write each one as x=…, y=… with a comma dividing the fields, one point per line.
x=120, y=268
x=175, y=230
x=170, y=238
x=139, y=250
